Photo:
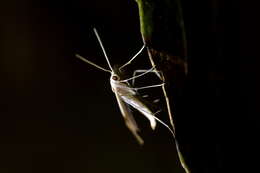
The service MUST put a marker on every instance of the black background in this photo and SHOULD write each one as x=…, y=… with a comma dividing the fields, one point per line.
x=59, y=114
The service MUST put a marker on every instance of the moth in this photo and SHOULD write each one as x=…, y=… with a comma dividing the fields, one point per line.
x=126, y=95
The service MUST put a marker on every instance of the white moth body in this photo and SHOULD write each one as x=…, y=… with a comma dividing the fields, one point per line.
x=129, y=119
x=125, y=95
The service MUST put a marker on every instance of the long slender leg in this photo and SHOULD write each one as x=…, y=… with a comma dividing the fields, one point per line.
x=147, y=71
x=150, y=86
x=134, y=74
x=129, y=62
x=142, y=71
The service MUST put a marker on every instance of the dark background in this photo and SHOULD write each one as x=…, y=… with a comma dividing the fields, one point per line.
x=59, y=114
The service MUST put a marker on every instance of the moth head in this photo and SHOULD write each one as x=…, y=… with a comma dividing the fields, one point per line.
x=115, y=77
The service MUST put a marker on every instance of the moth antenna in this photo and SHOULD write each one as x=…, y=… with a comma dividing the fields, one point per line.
x=91, y=63
x=103, y=49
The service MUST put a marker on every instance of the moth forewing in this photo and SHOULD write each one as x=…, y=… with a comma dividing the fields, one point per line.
x=136, y=103
x=128, y=95
x=128, y=118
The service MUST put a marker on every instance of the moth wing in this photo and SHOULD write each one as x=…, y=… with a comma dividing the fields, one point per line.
x=141, y=107
x=129, y=119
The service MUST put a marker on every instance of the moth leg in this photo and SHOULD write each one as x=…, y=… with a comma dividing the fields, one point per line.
x=137, y=76
x=150, y=86
x=129, y=62
x=143, y=71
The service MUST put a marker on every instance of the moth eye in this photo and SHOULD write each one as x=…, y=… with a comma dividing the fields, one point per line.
x=115, y=77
